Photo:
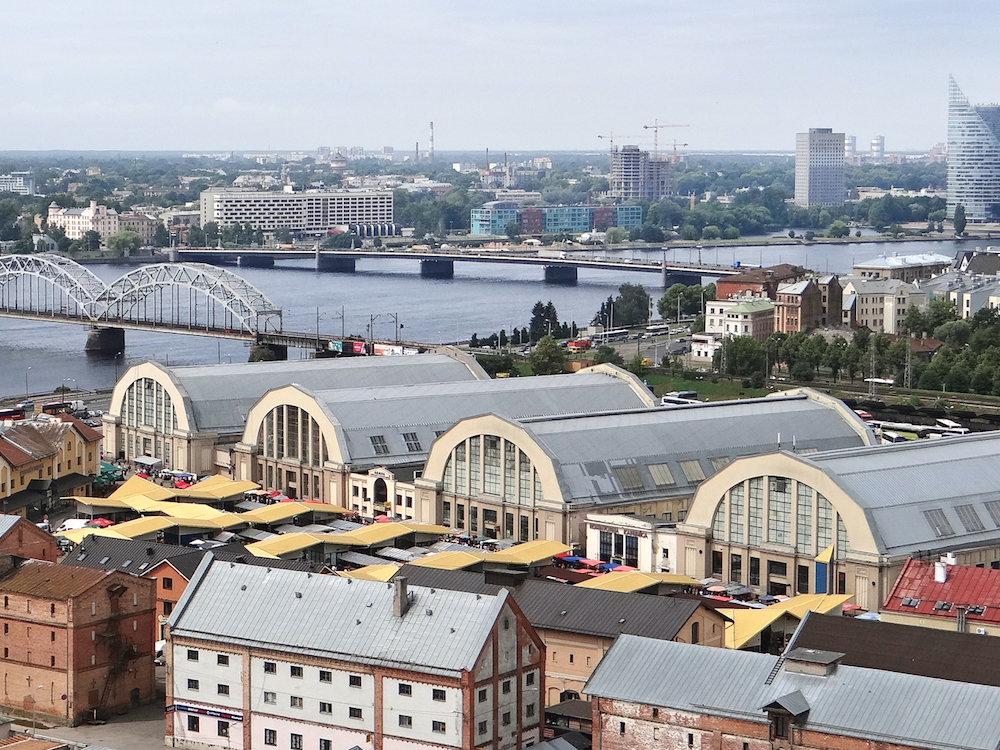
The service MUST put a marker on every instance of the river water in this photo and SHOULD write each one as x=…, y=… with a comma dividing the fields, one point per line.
x=36, y=358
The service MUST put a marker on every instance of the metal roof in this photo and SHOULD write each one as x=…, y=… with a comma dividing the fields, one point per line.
x=631, y=455
x=944, y=654
x=869, y=704
x=556, y=606
x=219, y=397
x=7, y=523
x=925, y=495
x=409, y=418
x=965, y=586
x=342, y=618
x=905, y=261
x=49, y=580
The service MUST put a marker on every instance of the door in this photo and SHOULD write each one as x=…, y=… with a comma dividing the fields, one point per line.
x=861, y=587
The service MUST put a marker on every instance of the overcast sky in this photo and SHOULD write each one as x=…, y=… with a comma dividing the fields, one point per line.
x=513, y=75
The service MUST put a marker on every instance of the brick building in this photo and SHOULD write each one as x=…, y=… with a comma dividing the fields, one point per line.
x=74, y=632
x=23, y=539
x=661, y=694
x=798, y=308
x=756, y=282
x=260, y=657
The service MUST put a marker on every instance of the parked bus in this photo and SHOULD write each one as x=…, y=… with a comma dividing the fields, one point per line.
x=12, y=414
x=951, y=427
x=618, y=334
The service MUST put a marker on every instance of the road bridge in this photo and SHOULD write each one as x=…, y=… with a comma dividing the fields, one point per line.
x=190, y=298
x=557, y=267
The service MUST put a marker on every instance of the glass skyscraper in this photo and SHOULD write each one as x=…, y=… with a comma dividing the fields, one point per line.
x=973, y=157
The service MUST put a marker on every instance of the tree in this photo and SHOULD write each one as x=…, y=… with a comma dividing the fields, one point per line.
x=959, y=220
x=690, y=298
x=955, y=333
x=196, y=237
x=513, y=230
x=838, y=229
x=548, y=358
x=615, y=235
x=744, y=355
x=711, y=232
x=211, y=232
x=608, y=354
x=91, y=240
x=637, y=366
x=161, y=237
x=124, y=242
x=282, y=235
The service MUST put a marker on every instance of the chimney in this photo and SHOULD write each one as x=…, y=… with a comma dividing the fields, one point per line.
x=400, y=600
x=940, y=572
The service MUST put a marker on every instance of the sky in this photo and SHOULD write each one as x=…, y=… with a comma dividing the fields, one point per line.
x=219, y=75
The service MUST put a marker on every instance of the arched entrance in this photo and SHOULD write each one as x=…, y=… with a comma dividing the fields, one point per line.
x=381, y=496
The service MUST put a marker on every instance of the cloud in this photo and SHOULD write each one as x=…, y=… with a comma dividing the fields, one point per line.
x=226, y=104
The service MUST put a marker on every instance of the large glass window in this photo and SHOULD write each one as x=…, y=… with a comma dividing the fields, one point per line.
x=756, y=510
x=292, y=414
x=474, y=466
x=803, y=519
x=719, y=522
x=524, y=479
x=460, y=463
x=538, y=488
x=605, y=546
x=314, y=442
x=269, y=435
x=447, y=484
x=736, y=514
x=842, y=542
x=779, y=510
x=824, y=523
x=509, y=472
x=491, y=464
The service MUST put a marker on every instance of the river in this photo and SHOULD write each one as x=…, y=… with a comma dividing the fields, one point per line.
x=36, y=358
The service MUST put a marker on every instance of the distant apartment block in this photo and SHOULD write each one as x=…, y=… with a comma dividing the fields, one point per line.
x=22, y=183
x=76, y=222
x=819, y=168
x=908, y=268
x=493, y=218
x=142, y=225
x=973, y=157
x=314, y=212
x=637, y=174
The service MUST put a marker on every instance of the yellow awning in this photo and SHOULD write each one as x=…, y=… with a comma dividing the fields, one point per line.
x=138, y=486
x=820, y=603
x=384, y=532
x=371, y=572
x=284, y=511
x=78, y=535
x=450, y=560
x=100, y=502
x=825, y=556
x=634, y=580
x=142, y=526
x=747, y=623
x=528, y=552
x=284, y=544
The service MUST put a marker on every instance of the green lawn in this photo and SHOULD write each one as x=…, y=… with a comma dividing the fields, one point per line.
x=707, y=390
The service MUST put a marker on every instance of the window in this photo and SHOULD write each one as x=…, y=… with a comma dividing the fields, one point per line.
x=656, y=712
x=438, y=726
x=378, y=443
x=354, y=713
x=295, y=671
x=223, y=730
x=412, y=442
x=776, y=569
x=717, y=562
x=295, y=701
x=325, y=675
x=570, y=660
x=506, y=685
x=629, y=478
x=661, y=475
x=695, y=635
x=328, y=745
x=405, y=689
x=482, y=727
x=438, y=695
x=194, y=723
x=405, y=721
x=270, y=697
x=270, y=736
x=223, y=660
x=802, y=582
x=223, y=689
x=621, y=727
x=692, y=471
x=482, y=694
x=505, y=718
x=780, y=724
x=529, y=679
x=754, y=571
x=295, y=741
x=736, y=568
x=168, y=583
x=529, y=710
x=193, y=685
x=192, y=655
x=354, y=680
x=325, y=708
x=270, y=667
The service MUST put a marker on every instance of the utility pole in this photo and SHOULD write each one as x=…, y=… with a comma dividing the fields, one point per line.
x=872, y=387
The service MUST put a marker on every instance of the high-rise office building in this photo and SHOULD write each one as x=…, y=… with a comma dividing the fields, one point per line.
x=819, y=168
x=637, y=174
x=878, y=149
x=973, y=157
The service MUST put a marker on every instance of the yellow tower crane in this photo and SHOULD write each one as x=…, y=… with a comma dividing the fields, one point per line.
x=655, y=127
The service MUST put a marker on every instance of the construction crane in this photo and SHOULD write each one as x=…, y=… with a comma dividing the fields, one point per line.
x=676, y=144
x=655, y=127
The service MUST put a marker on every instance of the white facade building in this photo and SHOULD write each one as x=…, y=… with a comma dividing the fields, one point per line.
x=314, y=211
x=880, y=304
x=22, y=183
x=643, y=542
x=76, y=222
x=819, y=168
x=973, y=157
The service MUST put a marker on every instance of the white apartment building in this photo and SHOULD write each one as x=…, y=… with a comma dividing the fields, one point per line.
x=22, y=183
x=819, y=168
x=312, y=212
x=754, y=317
x=78, y=221
x=260, y=657
x=880, y=304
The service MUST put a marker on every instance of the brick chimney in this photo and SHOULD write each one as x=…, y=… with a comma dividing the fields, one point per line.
x=400, y=599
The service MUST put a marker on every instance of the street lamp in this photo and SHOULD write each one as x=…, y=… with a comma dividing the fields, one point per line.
x=26, y=381
x=70, y=380
x=371, y=330
x=395, y=317
x=34, y=705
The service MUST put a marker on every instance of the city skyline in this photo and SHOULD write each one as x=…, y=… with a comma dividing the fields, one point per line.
x=224, y=76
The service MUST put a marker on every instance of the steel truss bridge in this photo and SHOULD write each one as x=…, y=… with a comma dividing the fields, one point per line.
x=189, y=298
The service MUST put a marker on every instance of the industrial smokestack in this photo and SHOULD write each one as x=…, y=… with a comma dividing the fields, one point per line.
x=416, y=152
x=430, y=153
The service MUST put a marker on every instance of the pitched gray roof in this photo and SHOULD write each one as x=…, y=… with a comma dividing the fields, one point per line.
x=868, y=704
x=219, y=397
x=7, y=523
x=556, y=606
x=328, y=616
x=606, y=458
x=925, y=495
x=428, y=409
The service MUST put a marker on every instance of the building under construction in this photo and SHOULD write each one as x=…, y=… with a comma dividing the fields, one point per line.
x=640, y=175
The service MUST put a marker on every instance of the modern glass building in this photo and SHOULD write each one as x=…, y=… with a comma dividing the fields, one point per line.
x=973, y=157
x=819, y=168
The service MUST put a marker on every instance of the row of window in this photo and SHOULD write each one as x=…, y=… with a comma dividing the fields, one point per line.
x=493, y=466
x=490, y=527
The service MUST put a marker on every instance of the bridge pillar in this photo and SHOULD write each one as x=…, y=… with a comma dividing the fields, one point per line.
x=687, y=278
x=335, y=263
x=560, y=274
x=437, y=269
x=267, y=352
x=110, y=340
x=254, y=261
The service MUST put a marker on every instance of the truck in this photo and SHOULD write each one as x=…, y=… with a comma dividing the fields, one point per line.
x=558, y=254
